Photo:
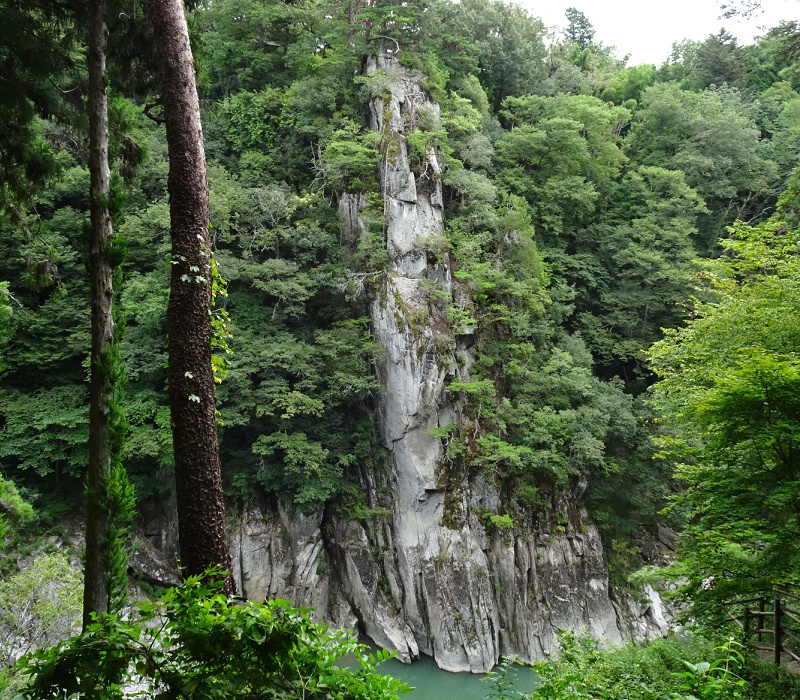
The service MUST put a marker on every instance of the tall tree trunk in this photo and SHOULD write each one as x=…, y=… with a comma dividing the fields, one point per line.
x=97, y=583
x=201, y=507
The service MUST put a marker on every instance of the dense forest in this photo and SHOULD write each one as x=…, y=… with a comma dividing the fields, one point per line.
x=623, y=243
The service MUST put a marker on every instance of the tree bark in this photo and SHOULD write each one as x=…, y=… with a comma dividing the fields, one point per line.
x=201, y=507
x=97, y=580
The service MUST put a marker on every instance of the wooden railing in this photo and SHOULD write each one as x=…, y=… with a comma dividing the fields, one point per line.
x=771, y=618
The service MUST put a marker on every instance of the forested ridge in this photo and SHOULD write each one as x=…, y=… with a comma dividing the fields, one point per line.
x=588, y=205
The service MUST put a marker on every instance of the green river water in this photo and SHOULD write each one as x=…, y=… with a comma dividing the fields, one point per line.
x=431, y=683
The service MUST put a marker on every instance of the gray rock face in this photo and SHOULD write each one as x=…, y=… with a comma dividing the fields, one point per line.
x=280, y=556
x=426, y=576
x=149, y=564
x=277, y=554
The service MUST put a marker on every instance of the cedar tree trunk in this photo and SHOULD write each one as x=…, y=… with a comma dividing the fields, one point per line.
x=201, y=507
x=97, y=579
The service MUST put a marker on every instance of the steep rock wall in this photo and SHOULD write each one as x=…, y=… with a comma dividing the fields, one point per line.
x=425, y=576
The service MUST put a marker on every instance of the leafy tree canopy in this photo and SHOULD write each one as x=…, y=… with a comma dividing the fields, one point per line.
x=728, y=397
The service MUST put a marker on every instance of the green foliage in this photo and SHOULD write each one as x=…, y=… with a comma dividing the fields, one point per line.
x=305, y=475
x=566, y=419
x=584, y=671
x=118, y=494
x=712, y=139
x=46, y=413
x=309, y=439
x=545, y=421
x=648, y=262
x=12, y=503
x=13, y=508
x=579, y=29
x=628, y=84
x=781, y=118
x=384, y=18
x=500, y=680
x=5, y=319
x=349, y=162
x=561, y=154
x=728, y=401
x=624, y=560
x=633, y=490
x=427, y=136
x=39, y=606
x=719, y=61
x=706, y=135
x=248, y=45
x=674, y=668
x=510, y=47
x=572, y=224
x=501, y=522
x=194, y=642
x=717, y=678
x=35, y=47
x=46, y=430
x=250, y=121
x=220, y=324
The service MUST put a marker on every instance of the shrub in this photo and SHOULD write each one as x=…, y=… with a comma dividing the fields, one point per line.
x=196, y=643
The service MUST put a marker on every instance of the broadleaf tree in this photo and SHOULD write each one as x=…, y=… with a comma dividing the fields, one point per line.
x=729, y=400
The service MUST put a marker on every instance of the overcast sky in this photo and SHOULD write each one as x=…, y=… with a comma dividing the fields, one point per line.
x=646, y=29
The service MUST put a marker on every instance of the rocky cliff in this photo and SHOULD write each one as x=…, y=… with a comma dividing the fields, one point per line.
x=425, y=574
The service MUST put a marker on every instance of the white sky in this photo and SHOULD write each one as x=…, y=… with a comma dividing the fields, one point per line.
x=646, y=29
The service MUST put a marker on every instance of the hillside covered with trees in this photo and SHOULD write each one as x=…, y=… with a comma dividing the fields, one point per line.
x=610, y=298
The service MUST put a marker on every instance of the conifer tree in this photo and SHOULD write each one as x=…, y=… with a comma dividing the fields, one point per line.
x=109, y=497
x=201, y=508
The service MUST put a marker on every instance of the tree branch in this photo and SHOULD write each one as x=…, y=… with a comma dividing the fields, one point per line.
x=157, y=118
x=388, y=38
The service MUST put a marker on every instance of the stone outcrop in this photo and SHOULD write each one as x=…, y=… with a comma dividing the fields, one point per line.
x=426, y=575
